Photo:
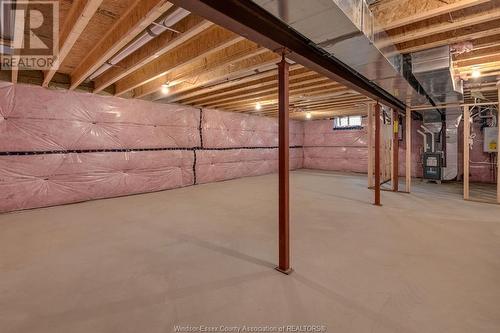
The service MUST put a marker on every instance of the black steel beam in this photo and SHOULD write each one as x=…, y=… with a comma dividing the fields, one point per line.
x=249, y=20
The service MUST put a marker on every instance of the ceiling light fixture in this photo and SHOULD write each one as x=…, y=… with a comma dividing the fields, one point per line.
x=476, y=73
x=308, y=115
x=258, y=106
x=165, y=89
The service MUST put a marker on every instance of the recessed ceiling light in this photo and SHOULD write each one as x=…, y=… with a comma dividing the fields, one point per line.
x=258, y=106
x=308, y=115
x=476, y=73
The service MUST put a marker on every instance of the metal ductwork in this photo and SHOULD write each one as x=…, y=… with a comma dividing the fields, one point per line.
x=150, y=33
x=346, y=29
x=433, y=70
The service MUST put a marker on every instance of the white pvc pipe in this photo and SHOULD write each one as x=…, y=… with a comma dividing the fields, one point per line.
x=433, y=147
x=425, y=139
x=151, y=32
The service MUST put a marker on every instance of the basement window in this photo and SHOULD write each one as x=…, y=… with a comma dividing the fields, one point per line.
x=345, y=123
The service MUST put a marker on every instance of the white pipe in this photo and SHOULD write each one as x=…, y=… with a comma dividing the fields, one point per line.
x=425, y=139
x=150, y=33
x=432, y=137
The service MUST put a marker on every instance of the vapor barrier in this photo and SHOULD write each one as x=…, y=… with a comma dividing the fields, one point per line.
x=335, y=150
x=59, y=146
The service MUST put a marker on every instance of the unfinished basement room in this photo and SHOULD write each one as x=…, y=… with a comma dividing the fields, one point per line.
x=231, y=166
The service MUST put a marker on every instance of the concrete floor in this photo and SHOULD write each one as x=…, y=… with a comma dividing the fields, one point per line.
x=204, y=255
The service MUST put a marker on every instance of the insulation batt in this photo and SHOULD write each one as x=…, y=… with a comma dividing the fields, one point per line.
x=47, y=180
x=227, y=130
x=38, y=119
x=217, y=165
x=342, y=150
x=34, y=119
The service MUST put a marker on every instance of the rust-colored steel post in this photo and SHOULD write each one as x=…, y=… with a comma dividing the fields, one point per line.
x=395, y=150
x=377, y=155
x=284, y=196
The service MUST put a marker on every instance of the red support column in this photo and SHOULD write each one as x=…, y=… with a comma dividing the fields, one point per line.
x=377, y=155
x=284, y=200
x=395, y=150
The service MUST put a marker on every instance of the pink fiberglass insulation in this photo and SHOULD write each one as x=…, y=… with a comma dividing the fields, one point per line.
x=335, y=150
x=38, y=119
x=219, y=165
x=59, y=131
x=347, y=150
x=232, y=130
x=53, y=179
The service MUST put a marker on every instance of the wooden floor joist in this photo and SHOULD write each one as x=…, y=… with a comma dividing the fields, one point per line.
x=209, y=41
x=420, y=14
x=135, y=20
x=251, y=65
x=165, y=42
x=79, y=16
x=187, y=77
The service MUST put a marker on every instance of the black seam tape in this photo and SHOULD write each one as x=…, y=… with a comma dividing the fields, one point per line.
x=86, y=151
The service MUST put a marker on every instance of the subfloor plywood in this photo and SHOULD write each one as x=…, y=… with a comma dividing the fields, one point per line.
x=204, y=255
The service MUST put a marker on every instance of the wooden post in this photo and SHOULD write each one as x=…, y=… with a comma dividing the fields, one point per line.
x=284, y=200
x=377, y=155
x=498, y=145
x=395, y=150
x=370, y=145
x=466, y=151
x=408, y=149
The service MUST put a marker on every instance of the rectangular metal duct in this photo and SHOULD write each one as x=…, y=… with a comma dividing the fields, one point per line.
x=345, y=29
x=433, y=69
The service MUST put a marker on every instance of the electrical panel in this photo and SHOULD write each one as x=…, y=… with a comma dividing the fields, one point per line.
x=490, y=139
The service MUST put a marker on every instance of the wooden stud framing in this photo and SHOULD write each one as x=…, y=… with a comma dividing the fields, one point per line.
x=377, y=155
x=498, y=147
x=370, y=145
x=395, y=150
x=408, y=166
x=466, y=152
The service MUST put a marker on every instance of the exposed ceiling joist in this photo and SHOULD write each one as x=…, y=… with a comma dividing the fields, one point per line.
x=271, y=80
x=186, y=29
x=209, y=89
x=447, y=39
x=312, y=80
x=134, y=21
x=79, y=16
x=251, y=65
x=212, y=40
x=456, y=23
x=243, y=49
x=420, y=13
